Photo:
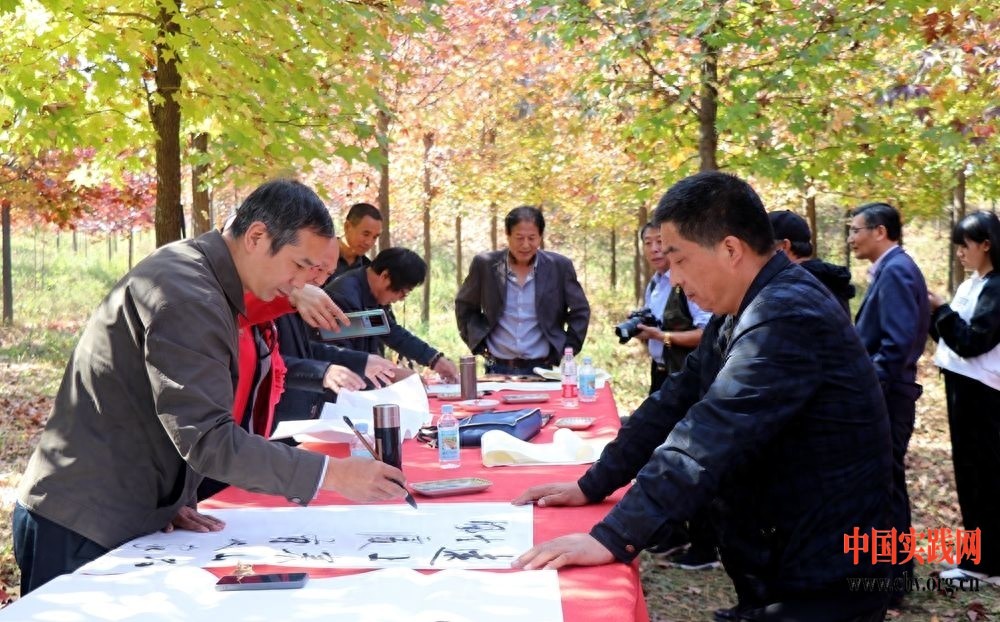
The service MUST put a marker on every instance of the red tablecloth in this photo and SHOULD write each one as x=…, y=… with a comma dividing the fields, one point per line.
x=598, y=594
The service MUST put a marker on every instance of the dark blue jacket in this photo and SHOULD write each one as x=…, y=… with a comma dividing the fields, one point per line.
x=351, y=292
x=893, y=321
x=307, y=362
x=777, y=423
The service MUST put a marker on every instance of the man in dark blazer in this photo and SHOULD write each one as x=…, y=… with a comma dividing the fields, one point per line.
x=892, y=321
x=521, y=307
x=308, y=361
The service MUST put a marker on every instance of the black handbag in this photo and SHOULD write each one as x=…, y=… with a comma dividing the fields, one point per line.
x=524, y=424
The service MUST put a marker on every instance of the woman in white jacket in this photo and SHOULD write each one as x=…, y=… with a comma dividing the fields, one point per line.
x=968, y=352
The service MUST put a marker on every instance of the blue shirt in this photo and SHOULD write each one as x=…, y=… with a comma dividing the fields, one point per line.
x=517, y=334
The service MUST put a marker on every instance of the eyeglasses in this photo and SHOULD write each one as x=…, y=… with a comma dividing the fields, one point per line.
x=856, y=230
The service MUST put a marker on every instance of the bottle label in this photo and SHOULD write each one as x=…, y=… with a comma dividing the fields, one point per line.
x=588, y=386
x=569, y=390
x=448, y=445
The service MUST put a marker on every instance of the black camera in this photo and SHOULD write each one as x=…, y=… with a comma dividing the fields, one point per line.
x=630, y=327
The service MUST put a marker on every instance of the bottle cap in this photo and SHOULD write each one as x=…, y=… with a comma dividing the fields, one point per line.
x=587, y=360
x=568, y=350
x=447, y=409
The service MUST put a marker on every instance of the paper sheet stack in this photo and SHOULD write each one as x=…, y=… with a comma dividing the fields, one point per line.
x=409, y=394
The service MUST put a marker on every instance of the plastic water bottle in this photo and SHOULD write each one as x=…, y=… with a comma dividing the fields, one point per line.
x=358, y=449
x=449, y=456
x=569, y=387
x=588, y=381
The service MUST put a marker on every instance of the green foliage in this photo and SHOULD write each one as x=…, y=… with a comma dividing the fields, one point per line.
x=56, y=289
x=269, y=85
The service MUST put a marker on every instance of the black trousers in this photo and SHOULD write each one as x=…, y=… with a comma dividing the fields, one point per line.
x=902, y=412
x=44, y=550
x=700, y=532
x=974, y=420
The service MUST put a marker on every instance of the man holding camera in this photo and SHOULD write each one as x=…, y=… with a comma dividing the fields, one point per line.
x=680, y=321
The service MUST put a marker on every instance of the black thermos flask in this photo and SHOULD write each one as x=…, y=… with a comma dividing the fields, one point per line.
x=388, y=443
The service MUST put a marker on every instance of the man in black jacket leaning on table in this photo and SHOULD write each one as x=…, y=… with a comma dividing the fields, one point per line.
x=386, y=280
x=776, y=424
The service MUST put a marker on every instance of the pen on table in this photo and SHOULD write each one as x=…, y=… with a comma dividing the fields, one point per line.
x=364, y=441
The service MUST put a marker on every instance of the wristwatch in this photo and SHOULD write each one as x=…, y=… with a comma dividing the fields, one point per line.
x=666, y=339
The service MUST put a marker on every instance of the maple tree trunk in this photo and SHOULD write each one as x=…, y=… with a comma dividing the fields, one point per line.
x=8, y=283
x=382, y=135
x=847, y=233
x=956, y=272
x=640, y=269
x=166, y=116
x=425, y=308
x=131, y=248
x=708, y=137
x=811, y=219
x=493, y=225
x=201, y=205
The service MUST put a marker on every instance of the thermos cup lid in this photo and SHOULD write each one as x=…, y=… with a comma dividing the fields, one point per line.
x=386, y=415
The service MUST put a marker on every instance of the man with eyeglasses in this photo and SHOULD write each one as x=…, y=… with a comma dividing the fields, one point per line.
x=892, y=322
x=388, y=279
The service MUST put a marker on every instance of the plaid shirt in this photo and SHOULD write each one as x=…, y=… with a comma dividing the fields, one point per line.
x=777, y=422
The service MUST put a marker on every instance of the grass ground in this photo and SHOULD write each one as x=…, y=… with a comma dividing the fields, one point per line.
x=56, y=289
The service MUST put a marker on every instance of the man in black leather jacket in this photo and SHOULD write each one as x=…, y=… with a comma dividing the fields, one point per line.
x=776, y=424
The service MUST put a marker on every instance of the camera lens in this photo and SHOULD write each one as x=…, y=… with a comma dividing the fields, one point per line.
x=627, y=329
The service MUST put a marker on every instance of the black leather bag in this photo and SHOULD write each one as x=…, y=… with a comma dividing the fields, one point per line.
x=523, y=424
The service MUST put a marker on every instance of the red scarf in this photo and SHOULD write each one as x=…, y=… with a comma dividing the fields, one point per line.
x=260, y=315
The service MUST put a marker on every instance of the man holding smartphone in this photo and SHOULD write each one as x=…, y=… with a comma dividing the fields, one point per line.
x=389, y=278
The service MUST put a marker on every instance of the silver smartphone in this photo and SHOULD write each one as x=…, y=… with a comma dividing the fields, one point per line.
x=363, y=324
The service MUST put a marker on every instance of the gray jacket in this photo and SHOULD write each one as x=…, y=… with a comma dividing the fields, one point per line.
x=144, y=408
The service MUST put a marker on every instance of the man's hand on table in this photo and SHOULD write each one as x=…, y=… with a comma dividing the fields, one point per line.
x=380, y=371
x=544, y=495
x=317, y=308
x=446, y=369
x=576, y=549
x=338, y=378
x=364, y=480
x=190, y=519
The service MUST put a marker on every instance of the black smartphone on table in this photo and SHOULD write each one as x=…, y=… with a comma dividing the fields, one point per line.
x=274, y=581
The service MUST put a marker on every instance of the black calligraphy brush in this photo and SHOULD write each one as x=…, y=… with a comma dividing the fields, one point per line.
x=364, y=441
